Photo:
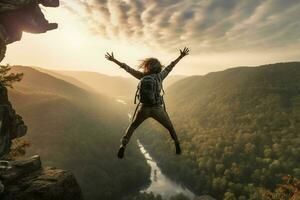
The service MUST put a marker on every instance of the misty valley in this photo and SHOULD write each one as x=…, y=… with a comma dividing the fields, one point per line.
x=239, y=130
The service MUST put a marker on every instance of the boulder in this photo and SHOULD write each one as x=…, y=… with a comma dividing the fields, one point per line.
x=27, y=180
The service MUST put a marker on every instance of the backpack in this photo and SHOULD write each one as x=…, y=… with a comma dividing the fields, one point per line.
x=149, y=89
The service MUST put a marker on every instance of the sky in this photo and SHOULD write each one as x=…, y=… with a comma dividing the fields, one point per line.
x=220, y=34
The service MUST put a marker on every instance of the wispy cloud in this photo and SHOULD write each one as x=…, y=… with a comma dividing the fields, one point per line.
x=205, y=25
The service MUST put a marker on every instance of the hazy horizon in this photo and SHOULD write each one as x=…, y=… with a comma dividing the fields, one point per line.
x=220, y=34
x=126, y=75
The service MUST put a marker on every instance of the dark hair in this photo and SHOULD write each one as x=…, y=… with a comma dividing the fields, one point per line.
x=151, y=66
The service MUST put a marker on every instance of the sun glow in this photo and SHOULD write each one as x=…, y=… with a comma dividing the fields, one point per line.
x=72, y=46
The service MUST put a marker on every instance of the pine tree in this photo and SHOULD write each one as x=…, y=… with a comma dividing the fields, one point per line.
x=7, y=78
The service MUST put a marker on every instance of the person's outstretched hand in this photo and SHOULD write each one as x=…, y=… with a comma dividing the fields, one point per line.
x=184, y=52
x=110, y=57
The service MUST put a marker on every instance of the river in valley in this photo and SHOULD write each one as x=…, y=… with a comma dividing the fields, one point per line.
x=160, y=183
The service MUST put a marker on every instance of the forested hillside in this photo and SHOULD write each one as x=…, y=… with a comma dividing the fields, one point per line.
x=76, y=129
x=239, y=130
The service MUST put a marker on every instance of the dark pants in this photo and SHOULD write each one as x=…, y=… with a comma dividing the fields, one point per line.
x=156, y=112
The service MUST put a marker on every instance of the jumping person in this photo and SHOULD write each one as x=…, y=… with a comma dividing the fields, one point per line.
x=149, y=94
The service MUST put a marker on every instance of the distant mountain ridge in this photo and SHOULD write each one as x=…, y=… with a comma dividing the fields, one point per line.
x=112, y=86
x=237, y=80
x=69, y=79
x=35, y=80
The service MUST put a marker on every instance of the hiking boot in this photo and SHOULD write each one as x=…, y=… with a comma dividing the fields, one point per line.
x=121, y=152
x=178, y=149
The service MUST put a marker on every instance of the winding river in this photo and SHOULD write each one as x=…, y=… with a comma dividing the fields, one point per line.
x=160, y=183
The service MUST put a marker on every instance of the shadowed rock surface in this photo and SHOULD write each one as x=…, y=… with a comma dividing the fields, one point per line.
x=27, y=180
x=17, y=16
x=11, y=124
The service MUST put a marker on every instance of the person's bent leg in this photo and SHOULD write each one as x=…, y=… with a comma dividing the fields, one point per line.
x=160, y=115
x=140, y=116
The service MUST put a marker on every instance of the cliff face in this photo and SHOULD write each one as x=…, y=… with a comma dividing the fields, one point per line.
x=17, y=16
x=28, y=180
x=11, y=124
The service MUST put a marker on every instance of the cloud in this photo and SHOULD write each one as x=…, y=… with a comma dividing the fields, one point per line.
x=204, y=25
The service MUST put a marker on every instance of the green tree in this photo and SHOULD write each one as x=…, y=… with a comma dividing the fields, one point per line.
x=7, y=78
x=290, y=189
x=229, y=196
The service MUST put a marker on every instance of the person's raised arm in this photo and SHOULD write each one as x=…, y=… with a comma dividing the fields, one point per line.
x=137, y=74
x=169, y=68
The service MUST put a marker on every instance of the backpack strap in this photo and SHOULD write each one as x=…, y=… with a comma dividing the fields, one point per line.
x=136, y=93
x=163, y=101
x=160, y=83
x=162, y=89
x=135, y=98
x=135, y=111
x=162, y=97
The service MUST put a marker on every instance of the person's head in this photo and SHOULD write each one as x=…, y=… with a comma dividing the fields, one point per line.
x=151, y=66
